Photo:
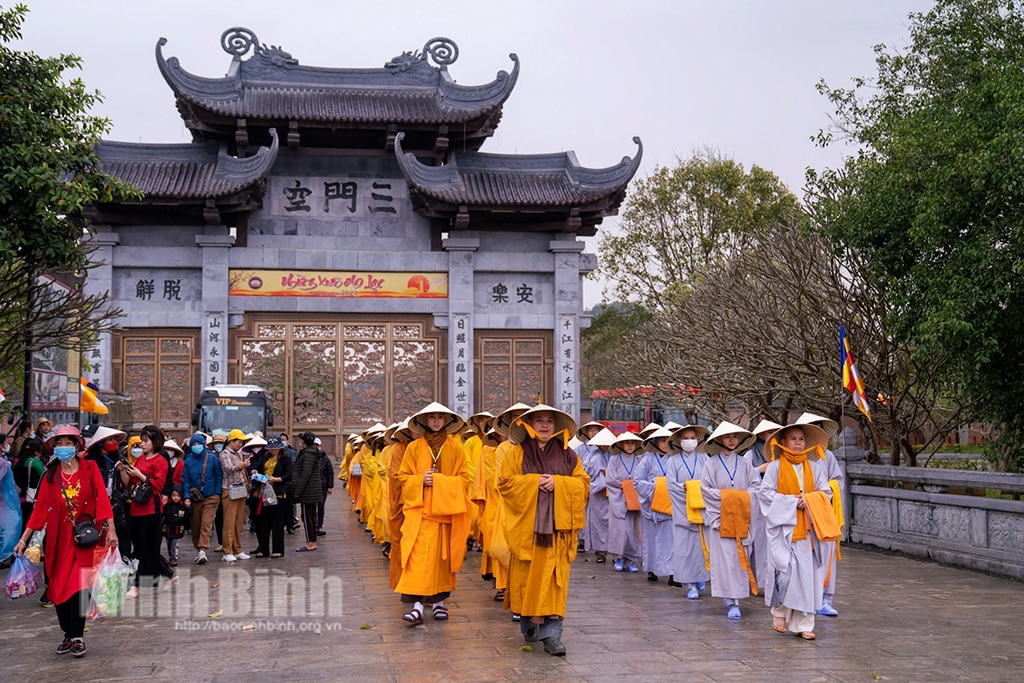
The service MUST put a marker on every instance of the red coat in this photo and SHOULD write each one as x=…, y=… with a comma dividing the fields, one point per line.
x=155, y=469
x=68, y=567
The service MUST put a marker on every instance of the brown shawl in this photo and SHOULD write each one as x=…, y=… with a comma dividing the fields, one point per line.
x=551, y=458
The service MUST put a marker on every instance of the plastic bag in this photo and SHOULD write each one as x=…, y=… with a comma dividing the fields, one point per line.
x=22, y=580
x=110, y=586
x=10, y=511
x=267, y=495
x=34, y=549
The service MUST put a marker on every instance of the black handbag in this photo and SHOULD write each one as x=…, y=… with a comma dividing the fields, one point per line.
x=85, y=532
x=140, y=492
x=195, y=493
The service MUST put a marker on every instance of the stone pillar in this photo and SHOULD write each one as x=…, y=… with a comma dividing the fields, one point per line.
x=215, y=307
x=101, y=282
x=568, y=307
x=460, y=323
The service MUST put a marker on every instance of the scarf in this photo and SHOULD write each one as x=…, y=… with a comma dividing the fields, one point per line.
x=435, y=439
x=790, y=485
x=551, y=458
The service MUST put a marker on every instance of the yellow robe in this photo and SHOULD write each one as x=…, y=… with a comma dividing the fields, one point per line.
x=371, y=488
x=491, y=519
x=395, y=513
x=539, y=576
x=433, y=544
x=473, y=446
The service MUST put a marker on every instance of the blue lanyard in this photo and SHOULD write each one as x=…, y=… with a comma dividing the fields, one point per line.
x=732, y=475
x=630, y=470
x=693, y=472
x=657, y=459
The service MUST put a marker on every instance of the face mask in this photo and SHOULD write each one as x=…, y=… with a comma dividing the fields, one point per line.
x=110, y=447
x=198, y=448
x=64, y=453
x=218, y=447
x=136, y=452
x=688, y=445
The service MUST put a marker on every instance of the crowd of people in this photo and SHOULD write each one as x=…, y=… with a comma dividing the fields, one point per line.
x=729, y=511
x=733, y=512
x=144, y=493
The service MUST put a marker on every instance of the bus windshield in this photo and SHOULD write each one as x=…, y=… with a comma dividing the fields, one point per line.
x=225, y=418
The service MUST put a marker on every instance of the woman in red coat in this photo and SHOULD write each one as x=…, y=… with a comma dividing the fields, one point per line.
x=71, y=490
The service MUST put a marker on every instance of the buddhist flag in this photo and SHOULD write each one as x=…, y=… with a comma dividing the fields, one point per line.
x=851, y=378
x=2, y=397
x=90, y=402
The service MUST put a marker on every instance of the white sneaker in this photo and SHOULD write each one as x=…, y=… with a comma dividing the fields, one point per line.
x=219, y=549
x=243, y=556
x=201, y=557
x=229, y=557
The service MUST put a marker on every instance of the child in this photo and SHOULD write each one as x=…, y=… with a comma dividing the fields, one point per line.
x=623, y=506
x=758, y=460
x=175, y=515
x=729, y=486
x=689, y=565
x=656, y=523
x=797, y=561
x=596, y=464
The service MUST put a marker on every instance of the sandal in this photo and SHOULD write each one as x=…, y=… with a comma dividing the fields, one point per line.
x=601, y=559
x=500, y=596
x=413, y=617
x=807, y=635
x=440, y=613
x=779, y=624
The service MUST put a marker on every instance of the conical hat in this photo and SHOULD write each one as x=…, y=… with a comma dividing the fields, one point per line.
x=102, y=434
x=453, y=423
x=480, y=422
x=677, y=437
x=814, y=437
x=605, y=437
x=403, y=433
x=658, y=433
x=505, y=417
x=765, y=426
x=172, y=445
x=574, y=443
x=651, y=426
x=592, y=423
x=831, y=427
x=673, y=426
x=254, y=441
x=724, y=429
x=563, y=422
x=627, y=436
x=491, y=438
x=376, y=428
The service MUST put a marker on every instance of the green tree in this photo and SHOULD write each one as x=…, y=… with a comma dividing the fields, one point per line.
x=49, y=172
x=933, y=199
x=679, y=220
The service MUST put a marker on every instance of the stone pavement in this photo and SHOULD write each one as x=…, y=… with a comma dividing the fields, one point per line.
x=901, y=620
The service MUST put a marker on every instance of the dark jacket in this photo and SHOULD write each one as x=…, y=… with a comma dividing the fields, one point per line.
x=282, y=469
x=306, y=476
x=326, y=473
x=175, y=515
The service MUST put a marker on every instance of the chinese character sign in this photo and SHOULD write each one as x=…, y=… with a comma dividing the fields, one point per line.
x=334, y=197
x=567, y=364
x=215, y=347
x=461, y=365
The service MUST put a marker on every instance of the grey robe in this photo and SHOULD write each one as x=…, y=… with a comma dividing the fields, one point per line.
x=623, y=525
x=656, y=527
x=728, y=577
x=596, y=532
x=687, y=553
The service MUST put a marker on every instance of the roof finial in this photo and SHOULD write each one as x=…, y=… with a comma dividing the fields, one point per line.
x=443, y=51
x=236, y=41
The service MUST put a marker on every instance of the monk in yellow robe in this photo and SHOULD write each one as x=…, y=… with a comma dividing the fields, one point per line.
x=494, y=563
x=545, y=490
x=435, y=504
x=401, y=438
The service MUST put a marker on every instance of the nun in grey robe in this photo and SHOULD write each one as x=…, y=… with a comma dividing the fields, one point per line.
x=596, y=532
x=656, y=527
x=688, y=565
x=623, y=524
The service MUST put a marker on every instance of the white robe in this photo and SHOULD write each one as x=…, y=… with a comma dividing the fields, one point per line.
x=728, y=577
x=596, y=533
x=833, y=471
x=656, y=527
x=797, y=567
x=623, y=525
x=687, y=553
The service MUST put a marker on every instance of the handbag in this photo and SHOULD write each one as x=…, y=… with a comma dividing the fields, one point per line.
x=140, y=492
x=85, y=532
x=236, y=491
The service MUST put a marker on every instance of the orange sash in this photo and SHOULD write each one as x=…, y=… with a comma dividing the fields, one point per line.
x=661, y=502
x=735, y=523
x=694, y=502
x=632, y=499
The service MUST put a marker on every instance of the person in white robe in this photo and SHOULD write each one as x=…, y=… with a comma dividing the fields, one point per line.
x=689, y=567
x=656, y=527
x=623, y=523
x=596, y=464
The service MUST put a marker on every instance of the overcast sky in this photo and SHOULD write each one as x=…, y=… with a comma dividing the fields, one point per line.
x=684, y=75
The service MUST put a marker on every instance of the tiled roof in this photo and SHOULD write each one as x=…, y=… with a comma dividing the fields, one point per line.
x=273, y=85
x=517, y=180
x=190, y=170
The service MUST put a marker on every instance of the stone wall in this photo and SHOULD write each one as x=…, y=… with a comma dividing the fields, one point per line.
x=943, y=515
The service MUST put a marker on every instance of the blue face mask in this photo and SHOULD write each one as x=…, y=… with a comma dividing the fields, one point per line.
x=198, y=448
x=218, y=447
x=64, y=453
x=136, y=452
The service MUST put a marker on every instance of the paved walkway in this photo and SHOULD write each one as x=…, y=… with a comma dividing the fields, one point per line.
x=901, y=620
